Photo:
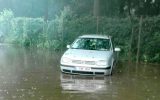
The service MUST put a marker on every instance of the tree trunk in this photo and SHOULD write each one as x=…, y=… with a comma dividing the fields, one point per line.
x=46, y=10
x=97, y=28
x=62, y=35
x=139, y=39
x=96, y=13
x=96, y=8
x=131, y=39
x=130, y=45
x=129, y=7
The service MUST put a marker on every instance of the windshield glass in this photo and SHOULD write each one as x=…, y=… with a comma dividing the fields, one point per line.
x=91, y=44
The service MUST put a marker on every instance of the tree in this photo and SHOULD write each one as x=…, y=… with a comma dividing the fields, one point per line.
x=96, y=8
x=46, y=10
x=139, y=39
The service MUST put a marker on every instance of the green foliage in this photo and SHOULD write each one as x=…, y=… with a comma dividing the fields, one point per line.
x=109, y=8
x=151, y=39
x=62, y=30
x=26, y=31
x=5, y=19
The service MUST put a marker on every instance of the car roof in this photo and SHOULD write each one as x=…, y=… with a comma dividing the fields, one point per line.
x=95, y=36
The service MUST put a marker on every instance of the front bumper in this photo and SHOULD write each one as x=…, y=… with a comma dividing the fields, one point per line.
x=93, y=71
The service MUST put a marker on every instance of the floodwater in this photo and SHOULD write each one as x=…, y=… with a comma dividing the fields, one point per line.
x=30, y=74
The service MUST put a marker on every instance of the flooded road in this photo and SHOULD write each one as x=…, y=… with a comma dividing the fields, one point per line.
x=29, y=74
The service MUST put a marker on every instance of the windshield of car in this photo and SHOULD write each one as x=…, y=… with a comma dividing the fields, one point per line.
x=91, y=44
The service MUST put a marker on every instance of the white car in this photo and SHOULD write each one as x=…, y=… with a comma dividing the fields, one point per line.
x=89, y=55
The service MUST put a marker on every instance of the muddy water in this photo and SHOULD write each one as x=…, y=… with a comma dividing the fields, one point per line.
x=29, y=74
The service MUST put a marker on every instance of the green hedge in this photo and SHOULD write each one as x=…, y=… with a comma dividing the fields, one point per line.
x=62, y=30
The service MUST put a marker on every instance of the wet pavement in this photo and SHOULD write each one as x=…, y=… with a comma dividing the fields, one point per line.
x=31, y=74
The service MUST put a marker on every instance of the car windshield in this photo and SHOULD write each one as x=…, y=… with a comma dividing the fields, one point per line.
x=91, y=44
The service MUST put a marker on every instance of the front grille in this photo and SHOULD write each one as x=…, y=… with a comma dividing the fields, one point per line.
x=90, y=62
x=77, y=61
x=83, y=62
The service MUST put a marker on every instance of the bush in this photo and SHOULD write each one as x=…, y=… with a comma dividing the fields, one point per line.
x=65, y=28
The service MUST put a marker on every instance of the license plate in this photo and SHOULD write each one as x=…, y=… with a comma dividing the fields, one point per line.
x=83, y=68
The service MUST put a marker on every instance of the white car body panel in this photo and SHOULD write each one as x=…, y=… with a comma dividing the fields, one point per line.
x=88, y=55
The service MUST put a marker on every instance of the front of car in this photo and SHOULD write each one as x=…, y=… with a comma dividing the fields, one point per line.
x=89, y=55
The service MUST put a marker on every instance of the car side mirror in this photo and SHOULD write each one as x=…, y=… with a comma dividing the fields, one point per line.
x=68, y=46
x=117, y=49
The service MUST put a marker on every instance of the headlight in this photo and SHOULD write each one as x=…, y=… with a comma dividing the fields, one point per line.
x=66, y=60
x=102, y=63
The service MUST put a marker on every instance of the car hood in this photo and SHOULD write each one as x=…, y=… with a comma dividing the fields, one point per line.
x=87, y=54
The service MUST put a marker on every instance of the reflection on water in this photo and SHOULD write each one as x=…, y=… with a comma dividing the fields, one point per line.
x=82, y=84
x=33, y=74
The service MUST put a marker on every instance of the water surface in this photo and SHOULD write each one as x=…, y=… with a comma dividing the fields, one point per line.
x=33, y=74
